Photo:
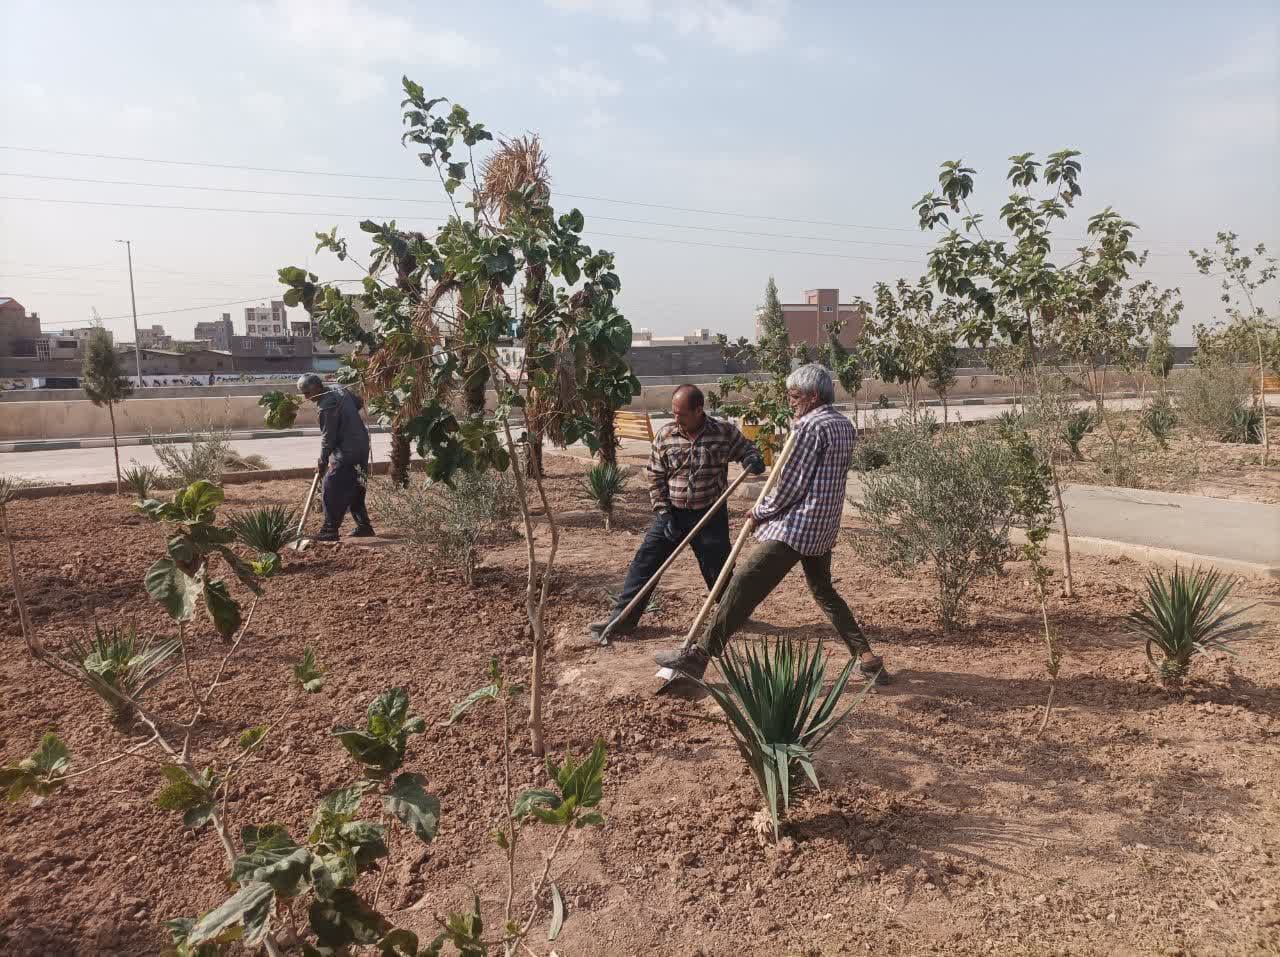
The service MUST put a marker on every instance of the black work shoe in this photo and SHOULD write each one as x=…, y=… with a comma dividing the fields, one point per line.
x=325, y=535
x=873, y=672
x=363, y=531
x=596, y=628
x=691, y=661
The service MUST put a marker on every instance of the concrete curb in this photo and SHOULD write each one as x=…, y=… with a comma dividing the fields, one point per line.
x=1152, y=555
x=97, y=442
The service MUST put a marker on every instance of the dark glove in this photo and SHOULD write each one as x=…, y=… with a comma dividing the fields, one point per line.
x=322, y=465
x=753, y=463
x=668, y=527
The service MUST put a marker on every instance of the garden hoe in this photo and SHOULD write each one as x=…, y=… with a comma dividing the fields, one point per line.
x=643, y=593
x=300, y=543
x=670, y=677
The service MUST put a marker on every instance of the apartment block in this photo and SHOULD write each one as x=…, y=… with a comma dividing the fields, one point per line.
x=808, y=321
x=218, y=332
x=268, y=320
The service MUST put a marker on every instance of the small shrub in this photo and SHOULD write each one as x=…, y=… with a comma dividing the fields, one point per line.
x=602, y=486
x=141, y=480
x=868, y=455
x=281, y=408
x=1078, y=424
x=119, y=664
x=265, y=530
x=1010, y=424
x=1245, y=427
x=777, y=714
x=9, y=484
x=1159, y=419
x=443, y=523
x=1181, y=616
x=943, y=502
x=1213, y=395
x=201, y=456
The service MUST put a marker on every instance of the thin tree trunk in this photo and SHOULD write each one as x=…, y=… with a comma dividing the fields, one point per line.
x=399, y=467
x=944, y=410
x=1068, y=587
x=115, y=444
x=608, y=454
x=1262, y=400
x=475, y=381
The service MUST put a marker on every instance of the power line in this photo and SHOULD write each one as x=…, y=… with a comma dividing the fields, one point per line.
x=418, y=180
x=392, y=199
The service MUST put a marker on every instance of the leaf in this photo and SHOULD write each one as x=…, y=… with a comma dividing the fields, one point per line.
x=273, y=857
x=224, y=611
x=535, y=801
x=309, y=671
x=251, y=737
x=180, y=792
x=266, y=564
x=557, y=913
x=399, y=943
x=199, y=500
x=344, y=920
x=41, y=773
x=413, y=806
x=480, y=694
x=198, y=816
x=345, y=801
x=250, y=906
x=173, y=588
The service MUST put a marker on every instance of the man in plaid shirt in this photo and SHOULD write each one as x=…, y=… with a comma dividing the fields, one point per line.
x=688, y=470
x=797, y=523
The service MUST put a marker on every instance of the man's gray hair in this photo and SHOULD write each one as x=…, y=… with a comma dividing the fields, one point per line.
x=309, y=381
x=813, y=379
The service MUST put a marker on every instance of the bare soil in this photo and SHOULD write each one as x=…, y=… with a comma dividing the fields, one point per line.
x=1142, y=822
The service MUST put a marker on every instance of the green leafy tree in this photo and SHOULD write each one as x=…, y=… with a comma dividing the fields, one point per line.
x=764, y=401
x=438, y=305
x=845, y=364
x=1243, y=277
x=910, y=337
x=105, y=383
x=1019, y=284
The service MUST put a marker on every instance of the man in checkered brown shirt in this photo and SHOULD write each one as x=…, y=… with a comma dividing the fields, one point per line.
x=796, y=524
x=688, y=470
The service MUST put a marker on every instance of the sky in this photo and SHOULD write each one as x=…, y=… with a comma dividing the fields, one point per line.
x=709, y=143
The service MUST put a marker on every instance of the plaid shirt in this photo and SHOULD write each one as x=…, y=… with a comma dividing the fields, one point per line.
x=693, y=474
x=804, y=508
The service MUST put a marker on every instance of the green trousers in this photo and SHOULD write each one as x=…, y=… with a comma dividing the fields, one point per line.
x=759, y=574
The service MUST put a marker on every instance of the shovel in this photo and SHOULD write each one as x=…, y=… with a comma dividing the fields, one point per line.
x=649, y=585
x=299, y=542
x=668, y=675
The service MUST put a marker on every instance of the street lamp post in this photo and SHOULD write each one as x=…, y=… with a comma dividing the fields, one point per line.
x=133, y=302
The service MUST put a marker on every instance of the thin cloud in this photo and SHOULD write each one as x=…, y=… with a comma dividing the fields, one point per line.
x=584, y=82
x=742, y=27
x=649, y=52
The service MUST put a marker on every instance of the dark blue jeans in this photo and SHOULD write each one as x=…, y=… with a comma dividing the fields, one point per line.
x=711, y=546
x=343, y=491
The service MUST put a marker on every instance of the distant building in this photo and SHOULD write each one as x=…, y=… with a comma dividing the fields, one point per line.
x=808, y=321
x=57, y=346
x=218, y=332
x=154, y=338
x=84, y=335
x=266, y=320
x=646, y=339
x=272, y=353
x=18, y=331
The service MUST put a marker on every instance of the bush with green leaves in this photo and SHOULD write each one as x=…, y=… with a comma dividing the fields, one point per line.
x=281, y=408
x=1213, y=394
x=942, y=501
x=267, y=531
x=118, y=664
x=1182, y=615
x=141, y=480
x=199, y=454
x=182, y=579
x=775, y=709
x=602, y=486
x=445, y=523
x=1078, y=424
x=380, y=745
x=1011, y=423
x=1159, y=420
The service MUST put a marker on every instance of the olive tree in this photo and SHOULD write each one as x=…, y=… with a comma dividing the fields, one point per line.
x=1243, y=276
x=1020, y=284
x=441, y=317
x=105, y=383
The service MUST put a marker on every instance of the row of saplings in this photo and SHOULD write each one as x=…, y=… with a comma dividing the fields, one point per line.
x=771, y=696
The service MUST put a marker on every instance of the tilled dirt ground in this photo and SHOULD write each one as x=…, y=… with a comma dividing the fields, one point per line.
x=1141, y=822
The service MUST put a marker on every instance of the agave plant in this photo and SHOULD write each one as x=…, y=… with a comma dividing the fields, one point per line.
x=777, y=714
x=265, y=530
x=1246, y=426
x=602, y=486
x=119, y=664
x=1159, y=419
x=1182, y=616
x=1077, y=425
x=141, y=480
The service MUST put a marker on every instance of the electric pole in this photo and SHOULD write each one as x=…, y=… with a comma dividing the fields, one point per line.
x=133, y=302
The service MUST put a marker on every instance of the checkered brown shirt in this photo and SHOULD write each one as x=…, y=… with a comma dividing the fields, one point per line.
x=693, y=474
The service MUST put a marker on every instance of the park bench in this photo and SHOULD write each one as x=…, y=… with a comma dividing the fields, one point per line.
x=633, y=425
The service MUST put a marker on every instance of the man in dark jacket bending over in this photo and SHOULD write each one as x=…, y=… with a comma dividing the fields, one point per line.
x=344, y=456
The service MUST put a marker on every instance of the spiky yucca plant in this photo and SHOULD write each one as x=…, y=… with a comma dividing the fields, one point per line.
x=1078, y=424
x=119, y=664
x=1245, y=427
x=1181, y=616
x=602, y=485
x=1159, y=419
x=775, y=710
x=265, y=530
x=141, y=480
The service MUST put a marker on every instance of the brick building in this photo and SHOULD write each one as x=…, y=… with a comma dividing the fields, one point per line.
x=807, y=321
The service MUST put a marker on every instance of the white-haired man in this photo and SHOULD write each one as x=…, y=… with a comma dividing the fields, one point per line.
x=796, y=524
